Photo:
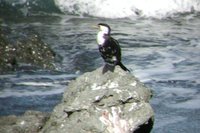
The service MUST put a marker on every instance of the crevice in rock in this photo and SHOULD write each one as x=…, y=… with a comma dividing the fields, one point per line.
x=102, y=98
x=146, y=127
x=69, y=113
x=128, y=100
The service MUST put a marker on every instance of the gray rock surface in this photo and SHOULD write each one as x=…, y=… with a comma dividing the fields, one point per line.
x=30, y=122
x=93, y=103
x=103, y=103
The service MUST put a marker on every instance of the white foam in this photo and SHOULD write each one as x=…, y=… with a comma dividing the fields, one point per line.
x=39, y=92
x=127, y=8
x=35, y=83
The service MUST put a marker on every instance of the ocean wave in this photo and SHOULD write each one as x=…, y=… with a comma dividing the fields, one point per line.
x=101, y=8
x=128, y=8
x=16, y=8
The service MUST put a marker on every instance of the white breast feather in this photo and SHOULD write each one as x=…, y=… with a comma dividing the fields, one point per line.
x=100, y=38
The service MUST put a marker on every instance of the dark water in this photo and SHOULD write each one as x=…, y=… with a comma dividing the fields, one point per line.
x=162, y=53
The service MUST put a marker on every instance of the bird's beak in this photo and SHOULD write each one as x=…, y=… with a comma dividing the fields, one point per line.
x=95, y=26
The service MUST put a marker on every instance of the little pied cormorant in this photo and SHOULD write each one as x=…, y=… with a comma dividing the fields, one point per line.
x=109, y=48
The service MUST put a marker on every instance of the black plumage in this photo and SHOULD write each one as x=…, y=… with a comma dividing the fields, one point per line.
x=109, y=48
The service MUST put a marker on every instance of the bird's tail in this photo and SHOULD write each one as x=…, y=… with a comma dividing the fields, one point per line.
x=123, y=67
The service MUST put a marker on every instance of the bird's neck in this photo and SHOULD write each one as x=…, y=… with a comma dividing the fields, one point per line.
x=101, y=37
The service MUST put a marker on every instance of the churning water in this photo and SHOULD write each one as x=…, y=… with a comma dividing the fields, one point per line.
x=160, y=43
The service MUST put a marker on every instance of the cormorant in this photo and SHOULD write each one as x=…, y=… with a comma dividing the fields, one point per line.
x=109, y=48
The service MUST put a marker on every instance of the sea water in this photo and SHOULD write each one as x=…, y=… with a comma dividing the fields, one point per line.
x=160, y=41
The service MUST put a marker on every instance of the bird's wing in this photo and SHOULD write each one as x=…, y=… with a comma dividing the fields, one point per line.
x=110, y=51
x=116, y=50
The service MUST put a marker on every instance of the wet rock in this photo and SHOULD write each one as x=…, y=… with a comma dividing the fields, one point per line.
x=23, y=50
x=30, y=122
x=111, y=103
x=10, y=9
x=7, y=10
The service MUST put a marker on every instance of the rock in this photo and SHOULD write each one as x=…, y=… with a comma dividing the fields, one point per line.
x=10, y=9
x=114, y=102
x=20, y=50
x=30, y=122
x=7, y=10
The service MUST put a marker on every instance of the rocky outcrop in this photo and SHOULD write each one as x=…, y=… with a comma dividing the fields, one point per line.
x=114, y=102
x=30, y=122
x=21, y=49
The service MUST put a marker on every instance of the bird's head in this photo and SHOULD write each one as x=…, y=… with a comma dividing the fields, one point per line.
x=104, y=28
x=103, y=33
